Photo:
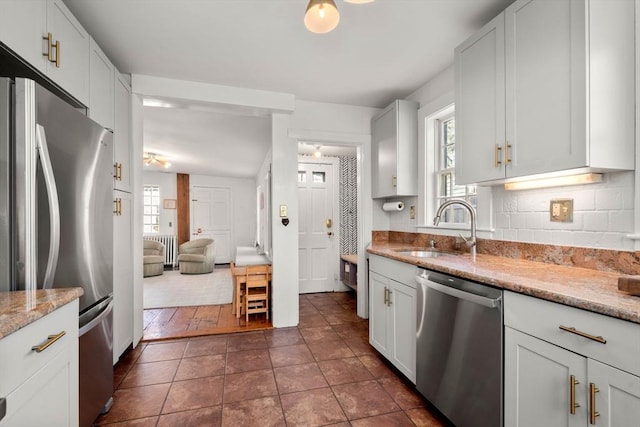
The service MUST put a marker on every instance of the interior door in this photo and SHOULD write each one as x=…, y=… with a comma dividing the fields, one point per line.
x=318, y=247
x=211, y=215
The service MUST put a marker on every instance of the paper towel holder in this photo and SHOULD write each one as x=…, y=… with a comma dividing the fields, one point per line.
x=393, y=206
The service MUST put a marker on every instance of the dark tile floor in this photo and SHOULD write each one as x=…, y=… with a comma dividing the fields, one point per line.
x=323, y=372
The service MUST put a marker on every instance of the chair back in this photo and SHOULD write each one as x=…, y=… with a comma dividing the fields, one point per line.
x=256, y=290
x=153, y=247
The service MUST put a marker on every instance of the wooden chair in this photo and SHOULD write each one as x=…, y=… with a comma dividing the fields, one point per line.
x=255, y=297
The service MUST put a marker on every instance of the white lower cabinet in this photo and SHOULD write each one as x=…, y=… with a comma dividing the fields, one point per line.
x=41, y=388
x=561, y=384
x=392, y=313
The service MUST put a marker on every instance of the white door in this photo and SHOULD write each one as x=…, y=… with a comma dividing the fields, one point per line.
x=617, y=400
x=537, y=378
x=211, y=216
x=317, y=241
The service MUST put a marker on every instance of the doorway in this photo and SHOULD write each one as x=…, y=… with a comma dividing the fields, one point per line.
x=318, y=232
x=211, y=216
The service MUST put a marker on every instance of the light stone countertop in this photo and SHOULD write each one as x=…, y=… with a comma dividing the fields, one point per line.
x=20, y=308
x=592, y=290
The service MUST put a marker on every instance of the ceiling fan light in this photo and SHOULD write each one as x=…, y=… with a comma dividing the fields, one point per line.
x=358, y=1
x=321, y=16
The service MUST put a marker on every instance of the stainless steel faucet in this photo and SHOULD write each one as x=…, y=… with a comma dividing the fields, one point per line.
x=472, y=241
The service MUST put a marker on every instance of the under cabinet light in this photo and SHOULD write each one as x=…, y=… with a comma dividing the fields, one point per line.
x=557, y=181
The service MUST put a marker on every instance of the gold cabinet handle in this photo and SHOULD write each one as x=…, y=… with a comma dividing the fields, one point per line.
x=593, y=414
x=394, y=181
x=56, y=45
x=119, y=171
x=498, y=152
x=115, y=171
x=118, y=207
x=50, y=340
x=572, y=394
x=50, y=46
x=389, y=297
x=507, y=153
x=49, y=39
x=573, y=330
x=386, y=296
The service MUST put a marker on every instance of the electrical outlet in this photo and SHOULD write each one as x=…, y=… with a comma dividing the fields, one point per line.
x=283, y=211
x=561, y=210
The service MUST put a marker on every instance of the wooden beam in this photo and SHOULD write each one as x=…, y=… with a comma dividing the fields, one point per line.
x=183, y=203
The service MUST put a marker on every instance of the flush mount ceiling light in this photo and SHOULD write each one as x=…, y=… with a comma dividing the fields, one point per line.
x=321, y=16
x=316, y=152
x=150, y=159
x=557, y=181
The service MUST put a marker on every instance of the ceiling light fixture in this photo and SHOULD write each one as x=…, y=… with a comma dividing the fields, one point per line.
x=321, y=16
x=316, y=153
x=557, y=181
x=152, y=159
x=358, y=1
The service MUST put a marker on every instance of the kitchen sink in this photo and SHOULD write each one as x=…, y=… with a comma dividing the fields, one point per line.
x=428, y=253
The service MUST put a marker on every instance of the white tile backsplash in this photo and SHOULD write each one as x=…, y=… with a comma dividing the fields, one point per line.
x=603, y=214
x=602, y=217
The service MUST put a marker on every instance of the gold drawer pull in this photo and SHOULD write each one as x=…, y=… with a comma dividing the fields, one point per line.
x=50, y=340
x=573, y=330
x=592, y=403
x=497, y=154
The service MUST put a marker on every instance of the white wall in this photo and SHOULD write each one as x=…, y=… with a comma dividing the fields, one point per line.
x=263, y=217
x=243, y=201
x=167, y=181
x=284, y=258
x=604, y=213
x=351, y=126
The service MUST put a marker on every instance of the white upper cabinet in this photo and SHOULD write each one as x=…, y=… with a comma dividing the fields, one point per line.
x=394, y=139
x=101, y=94
x=25, y=26
x=480, y=104
x=547, y=91
x=122, y=133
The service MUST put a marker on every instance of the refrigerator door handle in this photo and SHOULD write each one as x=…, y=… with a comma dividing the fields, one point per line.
x=54, y=208
x=102, y=311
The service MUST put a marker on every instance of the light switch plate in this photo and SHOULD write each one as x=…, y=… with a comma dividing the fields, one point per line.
x=283, y=211
x=412, y=212
x=561, y=210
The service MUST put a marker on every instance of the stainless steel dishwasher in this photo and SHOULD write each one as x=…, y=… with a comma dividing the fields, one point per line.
x=459, y=348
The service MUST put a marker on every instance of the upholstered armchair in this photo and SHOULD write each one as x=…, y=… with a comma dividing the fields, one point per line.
x=197, y=256
x=153, y=258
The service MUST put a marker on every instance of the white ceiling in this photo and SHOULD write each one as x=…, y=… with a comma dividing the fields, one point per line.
x=379, y=52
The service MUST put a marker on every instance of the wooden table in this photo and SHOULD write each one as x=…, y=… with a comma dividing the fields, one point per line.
x=239, y=278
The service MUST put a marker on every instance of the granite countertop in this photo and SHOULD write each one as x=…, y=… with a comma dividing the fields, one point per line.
x=584, y=288
x=19, y=308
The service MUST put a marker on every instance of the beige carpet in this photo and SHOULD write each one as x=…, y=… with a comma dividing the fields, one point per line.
x=173, y=289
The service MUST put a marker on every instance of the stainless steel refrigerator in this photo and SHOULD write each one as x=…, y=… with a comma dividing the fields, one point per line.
x=56, y=219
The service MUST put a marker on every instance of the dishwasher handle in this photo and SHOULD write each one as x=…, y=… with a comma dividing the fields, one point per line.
x=457, y=293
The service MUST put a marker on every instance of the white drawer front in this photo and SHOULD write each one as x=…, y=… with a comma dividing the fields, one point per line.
x=396, y=270
x=543, y=319
x=19, y=361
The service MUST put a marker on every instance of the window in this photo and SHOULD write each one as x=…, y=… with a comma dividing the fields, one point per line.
x=151, y=196
x=444, y=129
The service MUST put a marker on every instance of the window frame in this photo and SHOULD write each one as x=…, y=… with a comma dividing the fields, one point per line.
x=428, y=152
x=153, y=188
